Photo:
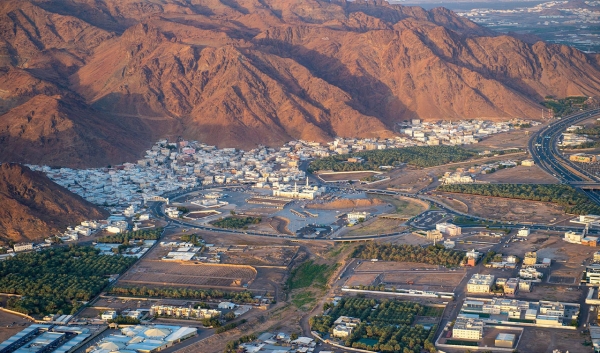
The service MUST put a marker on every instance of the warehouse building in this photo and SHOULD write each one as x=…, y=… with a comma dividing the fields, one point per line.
x=505, y=340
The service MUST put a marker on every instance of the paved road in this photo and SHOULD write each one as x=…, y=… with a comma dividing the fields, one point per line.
x=543, y=147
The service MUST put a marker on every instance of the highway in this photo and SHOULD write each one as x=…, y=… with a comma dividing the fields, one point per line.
x=543, y=147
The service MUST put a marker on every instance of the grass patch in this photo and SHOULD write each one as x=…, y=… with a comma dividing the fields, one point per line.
x=337, y=250
x=303, y=298
x=236, y=222
x=309, y=274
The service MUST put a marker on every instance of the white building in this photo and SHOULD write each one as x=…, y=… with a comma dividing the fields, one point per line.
x=226, y=305
x=109, y=315
x=468, y=328
x=448, y=229
x=523, y=232
x=23, y=247
x=480, y=283
x=573, y=237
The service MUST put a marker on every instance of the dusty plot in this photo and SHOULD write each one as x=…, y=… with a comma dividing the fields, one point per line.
x=375, y=226
x=260, y=255
x=452, y=202
x=481, y=239
x=408, y=180
x=504, y=140
x=543, y=340
x=365, y=279
x=342, y=203
x=7, y=320
x=552, y=292
x=412, y=239
x=510, y=209
x=404, y=207
x=189, y=275
x=345, y=176
x=519, y=175
x=443, y=281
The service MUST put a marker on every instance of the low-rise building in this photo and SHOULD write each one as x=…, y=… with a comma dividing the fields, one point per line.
x=23, y=247
x=448, y=229
x=530, y=258
x=468, y=328
x=480, y=283
x=109, y=315
x=573, y=237
x=582, y=158
x=511, y=286
x=505, y=340
x=523, y=232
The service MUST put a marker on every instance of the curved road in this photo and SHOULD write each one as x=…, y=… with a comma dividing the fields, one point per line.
x=544, y=151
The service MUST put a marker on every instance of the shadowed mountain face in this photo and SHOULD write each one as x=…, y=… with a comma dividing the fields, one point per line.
x=94, y=82
x=34, y=207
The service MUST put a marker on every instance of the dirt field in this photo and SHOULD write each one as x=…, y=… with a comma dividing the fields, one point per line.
x=365, y=279
x=511, y=209
x=519, y=175
x=334, y=177
x=279, y=224
x=408, y=180
x=543, y=340
x=168, y=273
x=345, y=204
x=548, y=292
x=375, y=226
x=260, y=256
x=452, y=202
x=504, y=140
x=429, y=280
x=404, y=207
x=7, y=319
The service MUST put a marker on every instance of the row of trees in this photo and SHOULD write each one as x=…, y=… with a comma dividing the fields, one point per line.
x=565, y=106
x=148, y=234
x=56, y=280
x=236, y=222
x=386, y=325
x=572, y=200
x=420, y=156
x=185, y=293
x=433, y=254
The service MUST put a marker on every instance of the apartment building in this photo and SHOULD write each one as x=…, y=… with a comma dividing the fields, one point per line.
x=468, y=328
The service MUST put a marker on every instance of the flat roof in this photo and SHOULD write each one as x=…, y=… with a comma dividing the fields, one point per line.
x=506, y=337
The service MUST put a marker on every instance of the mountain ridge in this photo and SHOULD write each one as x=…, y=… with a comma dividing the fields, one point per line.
x=247, y=72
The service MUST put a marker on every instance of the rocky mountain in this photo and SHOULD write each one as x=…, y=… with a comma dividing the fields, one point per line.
x=34, y=207
x=93, y=82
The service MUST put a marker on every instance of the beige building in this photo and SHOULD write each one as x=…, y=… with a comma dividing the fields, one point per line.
x=530, y=258
x=448, y=229
x=480, y=283
x=468, y=328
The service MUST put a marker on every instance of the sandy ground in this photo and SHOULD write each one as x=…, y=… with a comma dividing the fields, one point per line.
x=543, y=340
x=511, y=209
x=504, y=140
x=345, y=204
x=260, y=256
x=374, y=226
x=7, y=319
x=519, y=175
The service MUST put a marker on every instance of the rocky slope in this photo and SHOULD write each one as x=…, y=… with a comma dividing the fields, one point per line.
x=34, y=207
x=90, y=82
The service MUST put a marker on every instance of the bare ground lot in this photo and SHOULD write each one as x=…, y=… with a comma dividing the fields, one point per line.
x=153, y=272
x=543, y=340
x=7, y=319
x=511, y=209
x=404, y=206
x=427, y=280
x=550, y=292
x=345, y=176
x=346, y=204
x=519, y=175
x=505, y=140
x=375, y=226
x=260, y=255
